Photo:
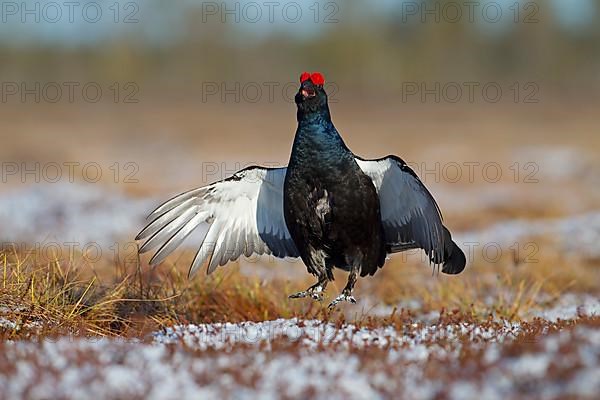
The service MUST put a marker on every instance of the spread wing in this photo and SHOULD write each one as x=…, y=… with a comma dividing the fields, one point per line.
x=411, y=217
x=239, y=215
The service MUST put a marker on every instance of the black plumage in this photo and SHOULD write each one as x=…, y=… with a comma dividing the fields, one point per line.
x=330, y=207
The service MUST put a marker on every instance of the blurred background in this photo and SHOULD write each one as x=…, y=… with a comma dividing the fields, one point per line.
x=110, y=107
x=107, y=108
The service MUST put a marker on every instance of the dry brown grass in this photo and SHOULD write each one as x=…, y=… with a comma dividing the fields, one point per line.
x=54, y=297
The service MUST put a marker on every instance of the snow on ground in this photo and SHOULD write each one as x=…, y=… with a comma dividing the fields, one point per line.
x=567, y=306
x=579, y=234
x=297, y=358
x=556, y=163
x=91, y=213
x=570, y=306
x=313, y=333
x=70, y=213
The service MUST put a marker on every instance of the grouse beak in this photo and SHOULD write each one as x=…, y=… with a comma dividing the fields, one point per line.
x=308, y=93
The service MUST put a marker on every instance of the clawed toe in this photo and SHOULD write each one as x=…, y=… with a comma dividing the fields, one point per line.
x=317, y=296
x=298, y=295
x=315, y=292
x=342, y=297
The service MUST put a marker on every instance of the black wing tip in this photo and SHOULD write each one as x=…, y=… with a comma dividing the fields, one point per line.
x=455, y=261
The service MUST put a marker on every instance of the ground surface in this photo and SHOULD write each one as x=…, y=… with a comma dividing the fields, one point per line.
x=82, y=316
x=448, y=358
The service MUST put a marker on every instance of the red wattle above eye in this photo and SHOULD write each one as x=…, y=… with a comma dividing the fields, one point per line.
x=304, y=77
x=317, y=79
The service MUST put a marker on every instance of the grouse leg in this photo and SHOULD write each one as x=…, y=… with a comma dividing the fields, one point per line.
x=315, y=291
x=346, y=294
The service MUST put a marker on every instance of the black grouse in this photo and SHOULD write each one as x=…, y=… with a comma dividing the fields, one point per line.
x=329, y=207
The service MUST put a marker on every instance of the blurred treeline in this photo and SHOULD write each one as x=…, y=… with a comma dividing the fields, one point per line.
x=372, y=47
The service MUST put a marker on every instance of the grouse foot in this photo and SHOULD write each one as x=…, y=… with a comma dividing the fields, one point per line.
x=344, y=296
x=315, y=291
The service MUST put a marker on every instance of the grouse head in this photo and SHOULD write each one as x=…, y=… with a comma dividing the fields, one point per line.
x=311, y=96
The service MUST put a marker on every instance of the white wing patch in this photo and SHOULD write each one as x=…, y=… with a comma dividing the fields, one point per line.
x=409, y=213
x=239, y=215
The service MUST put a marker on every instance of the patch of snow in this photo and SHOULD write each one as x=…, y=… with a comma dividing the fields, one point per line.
x=171, y=367
x=570, y=306
x=17, y=326
x=79, y=213
x=531, y=365
x=7, y=324
x=554, y=163
x=586, y=383
x=578, y=234
x=464, y=390
x=314, y=333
